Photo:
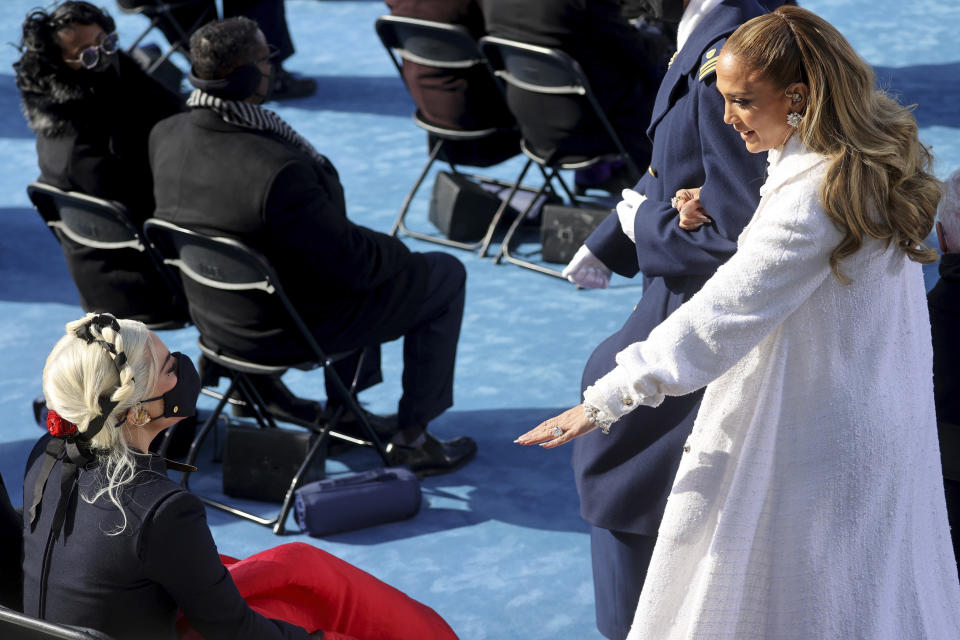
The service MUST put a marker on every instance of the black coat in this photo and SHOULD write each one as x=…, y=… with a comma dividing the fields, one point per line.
x=92, y=131
x=354, y=286
x=624, y=478
x=614, y=57
x=130, y=585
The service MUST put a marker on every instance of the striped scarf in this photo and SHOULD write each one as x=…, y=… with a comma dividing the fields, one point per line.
x=251, y=116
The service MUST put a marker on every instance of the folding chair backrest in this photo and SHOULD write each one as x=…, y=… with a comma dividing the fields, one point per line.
x=14, y=624
x=92, y=222
x=533, y=68
x=555, y=77
x=222, y=264
x=434, y=44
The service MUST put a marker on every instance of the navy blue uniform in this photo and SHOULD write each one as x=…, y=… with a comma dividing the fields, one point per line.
x=624, y=478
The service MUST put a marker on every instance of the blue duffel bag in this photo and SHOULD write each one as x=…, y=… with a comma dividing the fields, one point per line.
x=359, y=500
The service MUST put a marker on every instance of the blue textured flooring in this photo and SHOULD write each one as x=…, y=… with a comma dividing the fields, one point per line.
x=498, y=548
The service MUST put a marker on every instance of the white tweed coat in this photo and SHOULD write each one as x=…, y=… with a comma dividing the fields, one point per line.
x=809, y=502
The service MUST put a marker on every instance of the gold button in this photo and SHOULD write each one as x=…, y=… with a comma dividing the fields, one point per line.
x=176, y=409
x=652, y=171
x=627, y=401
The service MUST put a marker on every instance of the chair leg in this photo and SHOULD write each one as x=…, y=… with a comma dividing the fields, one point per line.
x=202, y=434
x=295, y=482
x=488, y=238
x=349, y=402
x=398, y=224
x=504, y=253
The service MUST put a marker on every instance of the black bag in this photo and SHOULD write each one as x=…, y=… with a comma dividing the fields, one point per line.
x=460, y=208
x=358, y=500
x=564, y=229
x=259, y=464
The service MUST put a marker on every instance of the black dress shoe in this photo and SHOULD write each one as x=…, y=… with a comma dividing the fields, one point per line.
x=433, y=457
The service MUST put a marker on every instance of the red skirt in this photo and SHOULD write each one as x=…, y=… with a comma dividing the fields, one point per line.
x=306, y=586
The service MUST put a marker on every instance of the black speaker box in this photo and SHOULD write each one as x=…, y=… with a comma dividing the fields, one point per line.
x=259, y=464
x=564, y=229
x=460, y=208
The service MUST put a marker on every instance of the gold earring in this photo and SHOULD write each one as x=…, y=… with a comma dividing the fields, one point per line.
x=140, y=415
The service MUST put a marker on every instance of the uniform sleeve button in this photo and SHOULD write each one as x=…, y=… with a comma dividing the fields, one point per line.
x=686, y=448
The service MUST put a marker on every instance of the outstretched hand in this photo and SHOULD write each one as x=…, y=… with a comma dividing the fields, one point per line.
x=551, y=433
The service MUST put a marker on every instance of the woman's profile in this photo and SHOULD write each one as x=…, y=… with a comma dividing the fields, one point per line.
x=809, y=502
x=112, y=544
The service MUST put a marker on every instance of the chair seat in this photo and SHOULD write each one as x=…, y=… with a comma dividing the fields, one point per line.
x=249, y=366
x=566, y=161
x=448, y=133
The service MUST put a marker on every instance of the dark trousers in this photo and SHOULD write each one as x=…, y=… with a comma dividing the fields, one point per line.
x=620, y=562
x=429, y=348
x=269, y=14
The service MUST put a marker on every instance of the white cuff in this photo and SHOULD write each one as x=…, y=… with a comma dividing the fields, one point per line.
x=611, y=397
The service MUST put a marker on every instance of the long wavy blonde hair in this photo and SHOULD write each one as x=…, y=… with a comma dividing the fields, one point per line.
x=879, y=180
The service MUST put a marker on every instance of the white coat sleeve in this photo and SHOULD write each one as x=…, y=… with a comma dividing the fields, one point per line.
x=783, y=259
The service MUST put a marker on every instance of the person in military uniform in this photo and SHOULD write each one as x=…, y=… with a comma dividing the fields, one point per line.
x=624, y=477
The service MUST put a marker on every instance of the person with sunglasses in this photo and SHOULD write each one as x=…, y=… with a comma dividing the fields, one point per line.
x=92, y=109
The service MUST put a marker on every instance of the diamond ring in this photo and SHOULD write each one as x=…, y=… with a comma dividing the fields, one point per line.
x=557, y=432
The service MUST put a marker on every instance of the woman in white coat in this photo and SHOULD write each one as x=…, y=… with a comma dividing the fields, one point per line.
x=809, y=503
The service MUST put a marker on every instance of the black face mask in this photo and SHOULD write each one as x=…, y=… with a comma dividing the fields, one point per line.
x=181, y=400
x=666, y=10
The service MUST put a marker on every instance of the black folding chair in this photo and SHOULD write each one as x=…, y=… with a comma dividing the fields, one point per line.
x=548, y=72
x=226, y=265
x=444, y=46
x=98, y=224
x=19, y=626
x=167, y=16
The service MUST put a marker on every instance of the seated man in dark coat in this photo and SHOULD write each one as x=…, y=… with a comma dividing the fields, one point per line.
x=230, y=167
x=459, y=98
x=92, y=108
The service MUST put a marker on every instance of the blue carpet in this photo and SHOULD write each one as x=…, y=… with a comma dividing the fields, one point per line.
x=498, y=548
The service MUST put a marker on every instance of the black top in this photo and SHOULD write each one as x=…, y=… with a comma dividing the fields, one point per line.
x=130, y=585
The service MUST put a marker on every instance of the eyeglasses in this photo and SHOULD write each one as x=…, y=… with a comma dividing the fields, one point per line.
x=90, y=57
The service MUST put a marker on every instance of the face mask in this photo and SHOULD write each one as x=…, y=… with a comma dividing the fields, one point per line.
x=181, y=400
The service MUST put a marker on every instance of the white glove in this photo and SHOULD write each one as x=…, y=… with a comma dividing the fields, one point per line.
x=627, y=211
x=586, y=270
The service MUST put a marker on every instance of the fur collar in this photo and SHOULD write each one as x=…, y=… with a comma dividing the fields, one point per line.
x=57, y=104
